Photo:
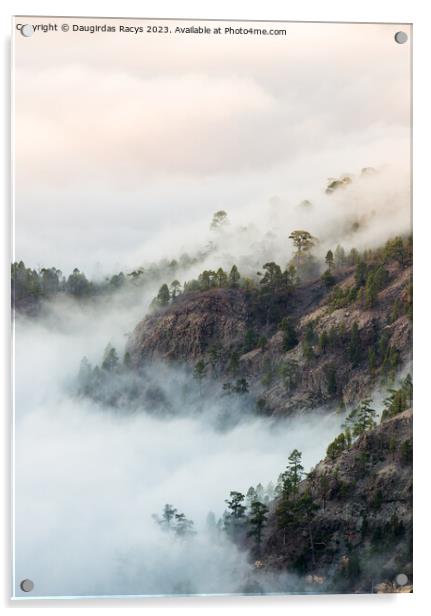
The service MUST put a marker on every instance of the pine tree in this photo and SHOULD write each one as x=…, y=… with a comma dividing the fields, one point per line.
x=235, y=505
x=292, y=476
x=221, y=278
x=234, y=277
x=168, y=515
x=163, y=296
x=329, y=260
x=183, y=526
x=290, y=337
x=354, y=348
x=371, y=291
x=175, y=289
x=257, y=520
x=360, y=274
x=303, y=242
x=110, y=359
x=235, y=516
x=361, y=418
x=340, y=256
x=338, y=445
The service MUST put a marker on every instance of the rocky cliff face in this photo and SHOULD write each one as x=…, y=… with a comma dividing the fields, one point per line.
x=360, y=538
x=332, y=364
x=188, y=329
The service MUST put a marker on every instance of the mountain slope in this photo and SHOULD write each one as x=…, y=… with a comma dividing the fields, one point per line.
x=360, y=537
x=328, y=345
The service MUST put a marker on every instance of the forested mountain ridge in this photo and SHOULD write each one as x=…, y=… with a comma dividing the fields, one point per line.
x=348, y=527
x=294, y=346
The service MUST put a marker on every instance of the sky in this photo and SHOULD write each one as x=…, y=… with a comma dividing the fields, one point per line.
x=126, y=144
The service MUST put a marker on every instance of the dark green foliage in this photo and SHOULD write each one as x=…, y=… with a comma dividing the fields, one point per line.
x=338, y=445
x=78, y=285
x=251, y=339
x=50, y=281
x=268, y=302
x=163, y=296
x=355, y=348
x=295, y=509
x=289, y=480
x=289, y=372
x=328, y=279
x=382, y=355
x=329, y=260
x=257, y=520
x=236, y=507
x=360, y=274
x=324, y=341
x=361, y=418
x=376, y=500
x=352, y=569
x=262, y=342
x=239, y=387
x=290, y=337
x=331, y=380
x=26, y=285
x=406, y=452
x=207, y=280
x=175, y=289
x=377, y=279
x=399, y=399
x=221, y=278
x=371, y=291
x=381, y=277
x=273, y=278
x=399, y=250
x=235, y=517
x=234, y=277
x=342, y=297
x=408, y=302
x=303, y=242
x=306, y=265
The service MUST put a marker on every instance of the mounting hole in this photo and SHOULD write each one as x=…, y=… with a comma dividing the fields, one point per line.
x=401, y=579
x=26, y=585
x=27, y=30
x=401, y=37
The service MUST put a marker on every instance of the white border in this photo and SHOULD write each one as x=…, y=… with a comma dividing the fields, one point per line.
x=415, y=11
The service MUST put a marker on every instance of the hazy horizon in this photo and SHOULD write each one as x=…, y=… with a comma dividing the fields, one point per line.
x=136, y=141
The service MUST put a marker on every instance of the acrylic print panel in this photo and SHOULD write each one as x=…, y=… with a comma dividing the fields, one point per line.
x=212, y=305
